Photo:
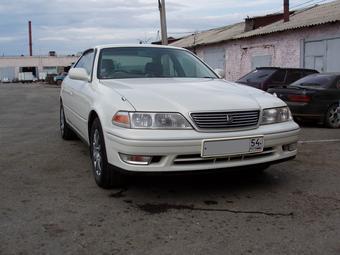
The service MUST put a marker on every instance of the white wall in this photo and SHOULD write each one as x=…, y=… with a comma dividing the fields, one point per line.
x=36, y=61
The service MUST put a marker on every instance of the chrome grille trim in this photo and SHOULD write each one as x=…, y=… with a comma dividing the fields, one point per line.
x=197, y=159
x=219, y=120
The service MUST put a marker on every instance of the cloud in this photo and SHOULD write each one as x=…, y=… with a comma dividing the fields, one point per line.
x=70, y=26
x=6, y=38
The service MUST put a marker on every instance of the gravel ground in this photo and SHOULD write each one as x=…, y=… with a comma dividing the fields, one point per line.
x=50, y=204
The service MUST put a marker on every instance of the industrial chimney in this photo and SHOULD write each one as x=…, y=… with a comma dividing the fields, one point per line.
x=30, y=37
x=285, y=10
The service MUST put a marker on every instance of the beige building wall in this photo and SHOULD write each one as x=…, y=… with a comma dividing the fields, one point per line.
x=36, y=61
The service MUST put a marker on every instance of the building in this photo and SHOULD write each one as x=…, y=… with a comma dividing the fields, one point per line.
x=310, y=39
x=39, y=66
x=170, y=40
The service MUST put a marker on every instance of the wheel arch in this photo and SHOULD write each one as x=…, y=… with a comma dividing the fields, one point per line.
x=92, y=116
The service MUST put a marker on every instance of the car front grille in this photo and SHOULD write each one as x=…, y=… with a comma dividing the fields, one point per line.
x=225, y=120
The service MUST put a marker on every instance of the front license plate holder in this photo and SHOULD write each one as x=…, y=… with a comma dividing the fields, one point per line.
x=232, y=146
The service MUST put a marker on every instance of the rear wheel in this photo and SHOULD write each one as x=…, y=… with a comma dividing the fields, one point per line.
x=106, y=176
x=59, y=82
x=65, y=130
x=332, y=118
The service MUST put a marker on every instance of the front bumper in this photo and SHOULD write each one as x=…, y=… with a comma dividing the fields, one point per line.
x=180, y=150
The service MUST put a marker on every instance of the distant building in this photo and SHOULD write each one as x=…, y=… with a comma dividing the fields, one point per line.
x=310, y=39
x=39, y=66
x=170, y=40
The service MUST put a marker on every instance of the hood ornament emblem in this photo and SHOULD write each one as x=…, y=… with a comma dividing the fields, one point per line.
x=228, y=118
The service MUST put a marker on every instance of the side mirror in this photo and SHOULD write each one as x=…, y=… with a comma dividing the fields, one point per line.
x=78, y=74
x=220, y=73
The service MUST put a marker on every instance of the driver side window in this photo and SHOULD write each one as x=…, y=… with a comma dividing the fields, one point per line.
x=86, y=62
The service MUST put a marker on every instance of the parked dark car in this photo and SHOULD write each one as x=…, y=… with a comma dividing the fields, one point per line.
x=59, y=78
x=271, y=77
x=316, y=96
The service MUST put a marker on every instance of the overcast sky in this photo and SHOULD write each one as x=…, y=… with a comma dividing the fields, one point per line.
x=70, y=26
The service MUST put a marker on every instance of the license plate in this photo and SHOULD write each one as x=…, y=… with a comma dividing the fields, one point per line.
x=232, y=146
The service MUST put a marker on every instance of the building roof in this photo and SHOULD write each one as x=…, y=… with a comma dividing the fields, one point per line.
x=315, y=15
x=211, y=36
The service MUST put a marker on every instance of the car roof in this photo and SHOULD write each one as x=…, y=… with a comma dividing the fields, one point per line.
x=327, y=74
x=287, y=68
x=136, y=45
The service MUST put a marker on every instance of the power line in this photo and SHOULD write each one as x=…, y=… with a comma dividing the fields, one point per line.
x=315, y=3
x=294, y=6
x=309, y=3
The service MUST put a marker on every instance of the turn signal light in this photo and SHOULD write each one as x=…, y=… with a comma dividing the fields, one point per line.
x=121, y=119
x=299, y=98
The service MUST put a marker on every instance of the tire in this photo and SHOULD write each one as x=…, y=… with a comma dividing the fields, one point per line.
x=59, y=82
x=332, y=118
x=105, y=175
x=65, y=131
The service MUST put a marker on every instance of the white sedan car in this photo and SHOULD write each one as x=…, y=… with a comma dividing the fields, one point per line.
x=161, y=109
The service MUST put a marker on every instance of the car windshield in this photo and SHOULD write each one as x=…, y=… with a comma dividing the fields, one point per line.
x=257, y=76
x=152, y=62
x=317, y=80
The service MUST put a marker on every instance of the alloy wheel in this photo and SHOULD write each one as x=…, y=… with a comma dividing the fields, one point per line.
x=333, y=117
x=96, y=153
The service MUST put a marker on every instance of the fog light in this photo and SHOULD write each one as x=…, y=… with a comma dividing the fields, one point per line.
x=136, y=159
x=290, y=147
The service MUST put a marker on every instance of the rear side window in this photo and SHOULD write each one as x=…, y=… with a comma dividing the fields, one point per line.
x=257, y=76
x=293, y=75
x=278, y=77
x=316, y=80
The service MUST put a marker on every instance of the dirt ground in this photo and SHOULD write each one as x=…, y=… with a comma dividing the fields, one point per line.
x=50, y=204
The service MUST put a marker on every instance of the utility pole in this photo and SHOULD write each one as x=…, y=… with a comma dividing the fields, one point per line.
x=161, y=7
x=30, y=37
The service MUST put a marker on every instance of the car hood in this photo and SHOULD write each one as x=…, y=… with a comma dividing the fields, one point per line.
x=190, y=95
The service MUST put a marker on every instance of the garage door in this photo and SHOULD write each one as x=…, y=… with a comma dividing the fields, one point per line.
x=333, y=55
x=261, y=61
x=323, y=55
x=7, y=72
x=215, y=57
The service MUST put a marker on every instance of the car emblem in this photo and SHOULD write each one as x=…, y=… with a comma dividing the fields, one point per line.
x=228, y=118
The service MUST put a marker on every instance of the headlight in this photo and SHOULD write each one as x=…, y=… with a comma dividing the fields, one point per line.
x=147, y=120
x=276, y=115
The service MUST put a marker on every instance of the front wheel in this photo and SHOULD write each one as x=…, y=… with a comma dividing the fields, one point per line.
x=106, y=176
x=332, y=118
x=65, y=131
